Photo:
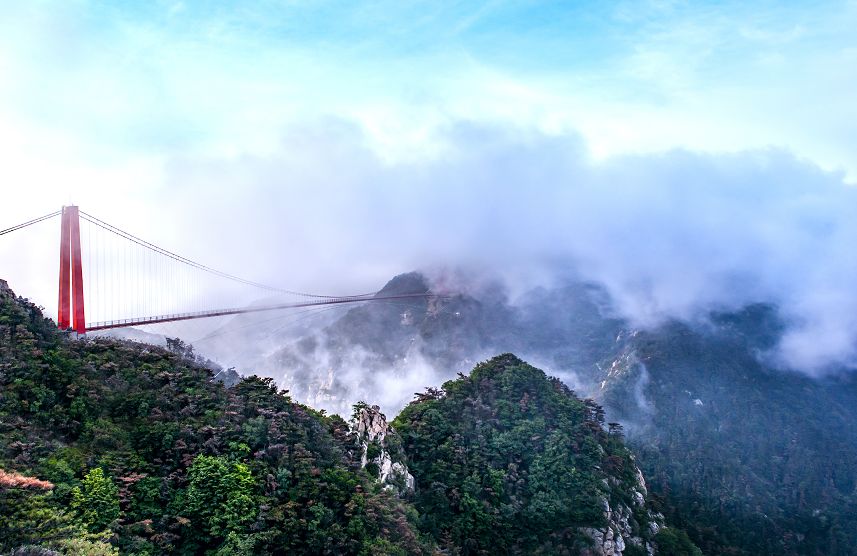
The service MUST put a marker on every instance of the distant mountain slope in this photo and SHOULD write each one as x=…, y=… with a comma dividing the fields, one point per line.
x=134, y=334
x=383, y=350
x=117, y=447
x=752, y=459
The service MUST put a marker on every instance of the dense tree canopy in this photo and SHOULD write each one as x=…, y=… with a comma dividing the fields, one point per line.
x=116, y=447
x=743, y=456
x=144, y=451
x=508, y=461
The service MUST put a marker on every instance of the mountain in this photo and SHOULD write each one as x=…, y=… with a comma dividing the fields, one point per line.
x=748, y=457
x=111, y=446
x=137, y=448
x=751, y=459
x=512, y=462
x=382, y=350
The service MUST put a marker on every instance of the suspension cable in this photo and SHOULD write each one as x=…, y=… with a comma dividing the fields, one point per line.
x=30, y=223
x=170, y=254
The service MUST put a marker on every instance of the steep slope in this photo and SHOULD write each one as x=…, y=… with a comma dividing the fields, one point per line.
x=747, y=458
x=384, y=350
x=751, y=460
x=509, y=461
x=111, y=446
x=142, y=448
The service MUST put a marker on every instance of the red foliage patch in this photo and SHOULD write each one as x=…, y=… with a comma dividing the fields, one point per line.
x=16, y=480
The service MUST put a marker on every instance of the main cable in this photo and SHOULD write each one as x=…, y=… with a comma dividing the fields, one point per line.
x=30, y=223
x=151, y=246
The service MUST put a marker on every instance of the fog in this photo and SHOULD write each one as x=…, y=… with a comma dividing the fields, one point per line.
x=674, y=235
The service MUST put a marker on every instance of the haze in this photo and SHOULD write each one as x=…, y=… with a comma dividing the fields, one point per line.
x=686, y=157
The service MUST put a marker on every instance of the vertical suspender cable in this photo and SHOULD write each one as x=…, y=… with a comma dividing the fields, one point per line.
x=132, y=295
x=112, y=281
x=97, y=271
x=87, y=272
x=125, y=300
x=137, y=311
x=100, y=246
x=126, y=278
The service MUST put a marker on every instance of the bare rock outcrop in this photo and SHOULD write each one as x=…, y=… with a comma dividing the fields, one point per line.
x=382, y=453
x=623, y=527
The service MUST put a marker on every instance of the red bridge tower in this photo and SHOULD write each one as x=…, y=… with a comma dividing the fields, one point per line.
x=71, y=274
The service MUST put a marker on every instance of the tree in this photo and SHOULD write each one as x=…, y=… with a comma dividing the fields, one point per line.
x=219, y=499
x=97, y=503
x=28, y=518
x=615, y=429
x=675, y=542
x=179, y=347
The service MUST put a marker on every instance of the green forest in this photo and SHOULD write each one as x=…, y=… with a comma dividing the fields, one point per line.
x=114, y=447
x=748, y=460
x=139, y=452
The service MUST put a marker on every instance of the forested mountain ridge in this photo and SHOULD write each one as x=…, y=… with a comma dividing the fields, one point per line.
x=753, y=460
x=110, y=446
x=147, y=455
x=748, y=457
x=510, y=461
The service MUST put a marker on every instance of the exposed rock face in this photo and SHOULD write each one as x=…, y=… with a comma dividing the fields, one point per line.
x=381, y=448
x=619, y=533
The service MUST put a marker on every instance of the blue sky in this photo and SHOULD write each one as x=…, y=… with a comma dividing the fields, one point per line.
x=670, y=149
x=158, y=77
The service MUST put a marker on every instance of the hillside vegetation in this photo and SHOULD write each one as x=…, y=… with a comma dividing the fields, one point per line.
x=751, y=460
x=512, y=462
x=109, y=446
x=748, y=457
x=147, y=455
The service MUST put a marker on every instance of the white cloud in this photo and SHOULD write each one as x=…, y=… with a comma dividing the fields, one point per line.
x=672, y=235
x=191, y=120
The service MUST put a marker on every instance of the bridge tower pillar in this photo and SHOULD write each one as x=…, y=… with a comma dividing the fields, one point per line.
x=71, y=309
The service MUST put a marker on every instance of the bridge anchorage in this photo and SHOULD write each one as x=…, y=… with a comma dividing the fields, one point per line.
x=127, y=281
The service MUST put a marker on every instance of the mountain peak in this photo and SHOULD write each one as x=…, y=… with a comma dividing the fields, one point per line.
x=410, y=282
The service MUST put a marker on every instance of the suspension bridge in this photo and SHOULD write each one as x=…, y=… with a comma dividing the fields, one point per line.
x=121, y=280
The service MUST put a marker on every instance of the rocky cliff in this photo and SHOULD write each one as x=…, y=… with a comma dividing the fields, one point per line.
x=381, y=449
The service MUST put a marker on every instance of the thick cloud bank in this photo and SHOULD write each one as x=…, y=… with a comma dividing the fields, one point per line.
x=673, y=235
